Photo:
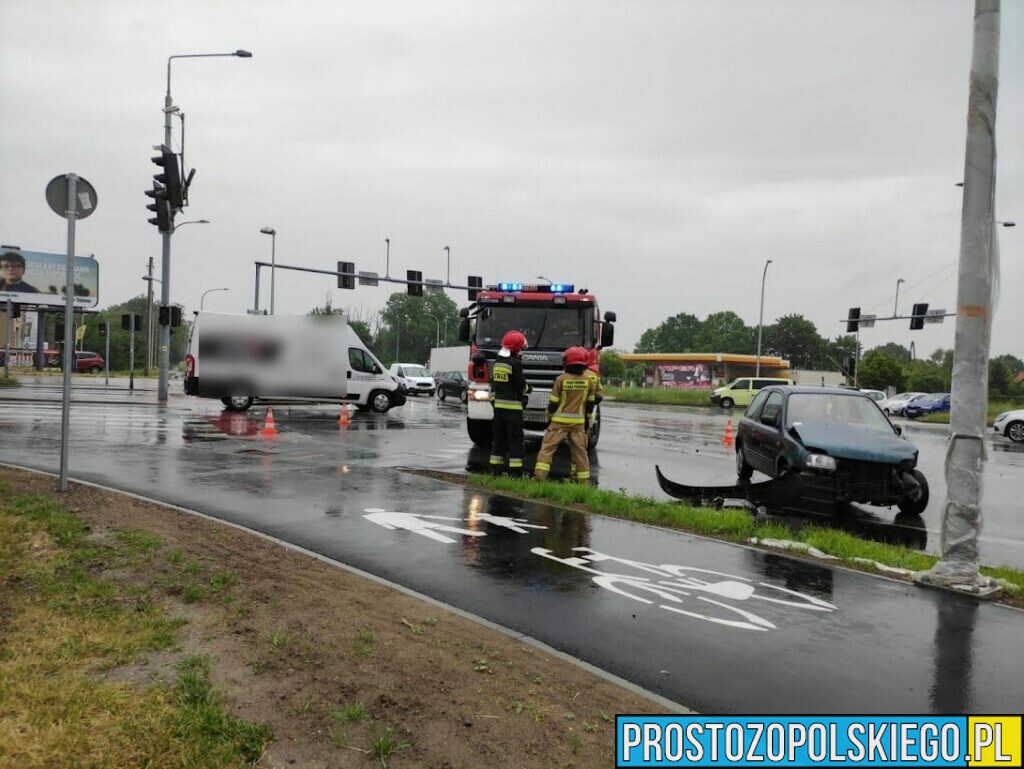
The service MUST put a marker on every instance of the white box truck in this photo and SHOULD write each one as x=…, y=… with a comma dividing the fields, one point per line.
x=240, y=359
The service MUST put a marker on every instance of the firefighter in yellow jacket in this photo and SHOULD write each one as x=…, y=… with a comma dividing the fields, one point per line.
x=572, y=401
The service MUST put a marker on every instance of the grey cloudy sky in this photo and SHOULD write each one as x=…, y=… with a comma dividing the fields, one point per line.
x=656, y=152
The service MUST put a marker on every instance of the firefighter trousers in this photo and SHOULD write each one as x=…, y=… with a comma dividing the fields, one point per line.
x=576, y=435
x=507, y=430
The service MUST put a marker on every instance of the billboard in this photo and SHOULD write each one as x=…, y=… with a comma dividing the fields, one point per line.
x=685, y=376
x=32, y=277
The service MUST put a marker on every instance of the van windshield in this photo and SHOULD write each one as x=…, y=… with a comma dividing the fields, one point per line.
x=415, y=371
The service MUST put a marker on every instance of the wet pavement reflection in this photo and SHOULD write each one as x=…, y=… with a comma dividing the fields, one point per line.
x=717, y=627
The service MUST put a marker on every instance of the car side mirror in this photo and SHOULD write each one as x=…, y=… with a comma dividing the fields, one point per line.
x=377, y=369
x=607, y=335
x=770, y=419
x=464, y=330
x=898, y=429
x=610, y=316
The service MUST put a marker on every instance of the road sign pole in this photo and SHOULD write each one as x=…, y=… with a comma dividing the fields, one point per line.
x=106, y=357
x=131, y=354
x=69, y=305
x=962, y=515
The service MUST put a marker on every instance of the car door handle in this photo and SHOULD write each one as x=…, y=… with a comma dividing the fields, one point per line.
x=349, y=373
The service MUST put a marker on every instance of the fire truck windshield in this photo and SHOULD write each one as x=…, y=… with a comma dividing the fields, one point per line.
x=548, y=328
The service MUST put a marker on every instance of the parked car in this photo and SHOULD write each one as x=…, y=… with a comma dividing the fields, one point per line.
x=936, y=403
x=414, y=377
x=740, y=392
x=452, y=384
x=89, y=361
x=876, y=395
x=1010, y=424
x=838, y=443
x=897, y=403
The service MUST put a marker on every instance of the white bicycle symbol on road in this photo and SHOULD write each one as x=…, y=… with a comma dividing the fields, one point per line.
x=669, y=587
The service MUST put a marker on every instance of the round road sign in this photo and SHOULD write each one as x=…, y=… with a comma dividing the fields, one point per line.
x=57, y=196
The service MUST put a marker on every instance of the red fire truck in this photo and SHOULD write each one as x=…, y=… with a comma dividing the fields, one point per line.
x=553, y=317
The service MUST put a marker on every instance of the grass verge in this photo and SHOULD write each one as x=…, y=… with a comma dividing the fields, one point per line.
x=65, y=626
x=9, y=381
x=658, y=395
x=732, y=525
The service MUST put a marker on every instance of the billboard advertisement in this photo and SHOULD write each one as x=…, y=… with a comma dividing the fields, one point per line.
x=685, y=376
x=33, y=277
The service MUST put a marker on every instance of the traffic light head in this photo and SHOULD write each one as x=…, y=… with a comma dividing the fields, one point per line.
x=349, y=280
x=851, y=320
x=160, y=208
x=476, y=282
x=170, y=177
x=415, y=285
x=917, y=316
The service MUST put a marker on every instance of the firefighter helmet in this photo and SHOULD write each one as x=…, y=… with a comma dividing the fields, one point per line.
x=514, y=341
x=576, y=356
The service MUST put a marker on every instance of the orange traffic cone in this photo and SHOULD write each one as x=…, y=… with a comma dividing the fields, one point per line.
x=269, y=428
x=728, y=439
x=345, y=418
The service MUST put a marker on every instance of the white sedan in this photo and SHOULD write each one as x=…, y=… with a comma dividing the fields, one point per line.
x=1010, y=424
x=897, y=403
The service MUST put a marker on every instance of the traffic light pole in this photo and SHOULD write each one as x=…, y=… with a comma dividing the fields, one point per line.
x=106, y=357
x=164, y=356
x=131, y=356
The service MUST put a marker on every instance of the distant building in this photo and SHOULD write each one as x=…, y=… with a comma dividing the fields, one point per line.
x=703, y=370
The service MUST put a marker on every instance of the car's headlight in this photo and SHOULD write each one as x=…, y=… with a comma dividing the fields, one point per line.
x=1002, y=416
x=821, y=462
x=481, y=395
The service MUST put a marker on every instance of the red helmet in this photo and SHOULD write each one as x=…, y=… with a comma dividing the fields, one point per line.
x=576, y=356
x=514, y=341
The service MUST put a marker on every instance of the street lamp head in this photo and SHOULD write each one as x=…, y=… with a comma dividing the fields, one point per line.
x=243, y=54
x=203, y=221
x=1008, y=224
x=268, y=231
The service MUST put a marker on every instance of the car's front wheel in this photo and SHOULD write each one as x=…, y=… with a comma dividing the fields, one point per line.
x=743, y=470
x=1015, y=432
x=440, y=393
x=94, y=370
x=464, y=396
x=916, y=506
x=727, y=403
x=237, y=402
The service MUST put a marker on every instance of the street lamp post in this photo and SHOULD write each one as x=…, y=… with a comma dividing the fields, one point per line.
x=896, y=304
x=207, y=291
x=541, y=277
x=273, y=261
x=448, y=254
x=760, y=319
x=165, y=257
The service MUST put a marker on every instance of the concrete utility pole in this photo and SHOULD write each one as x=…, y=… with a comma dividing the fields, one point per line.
x=962, y=516
x=760, y=319
x=149, y=319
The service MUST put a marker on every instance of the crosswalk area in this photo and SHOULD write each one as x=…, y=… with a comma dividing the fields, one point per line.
x=116, y=422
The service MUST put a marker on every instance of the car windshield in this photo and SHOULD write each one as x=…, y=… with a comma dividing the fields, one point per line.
x=552, y=328
x=835, y=409
x=415, y=371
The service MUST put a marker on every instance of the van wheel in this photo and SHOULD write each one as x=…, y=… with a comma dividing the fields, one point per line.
x=727, y=403
x=237, y=402
x=380, y=402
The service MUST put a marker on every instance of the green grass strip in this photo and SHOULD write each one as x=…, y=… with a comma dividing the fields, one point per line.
x=731, y=525
x=658, y=395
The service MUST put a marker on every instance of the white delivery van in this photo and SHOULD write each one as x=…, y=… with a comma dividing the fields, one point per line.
x=240, y=359
x=415, y=378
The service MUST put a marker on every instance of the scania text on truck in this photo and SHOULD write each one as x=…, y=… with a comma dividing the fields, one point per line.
x=553, y=317
x=240, y=359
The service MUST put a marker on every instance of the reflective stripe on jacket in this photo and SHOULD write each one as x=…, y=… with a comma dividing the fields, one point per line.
x=573, y=397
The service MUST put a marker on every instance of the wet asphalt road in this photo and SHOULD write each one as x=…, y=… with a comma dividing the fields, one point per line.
x=716, y=627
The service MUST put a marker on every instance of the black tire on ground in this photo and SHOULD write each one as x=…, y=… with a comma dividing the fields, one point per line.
x=237, y=402
x=479, y=431
x=743, y=470
x=431, y=393
x=727, y=403
x=595, y=430
x=464, y=396
x=379, y=401
x=916, y=507
x=440, y=393
x=1015, y=432
x=94, y=370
